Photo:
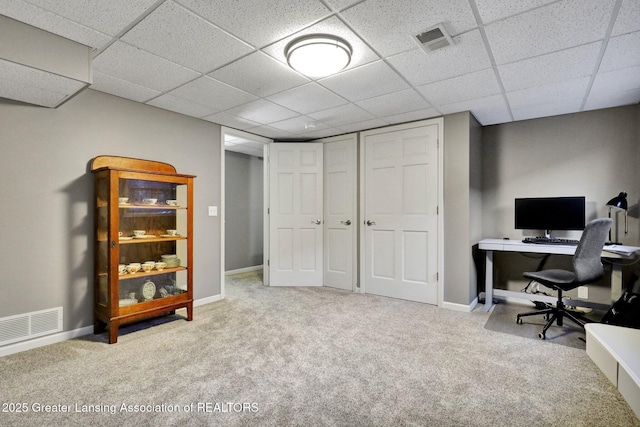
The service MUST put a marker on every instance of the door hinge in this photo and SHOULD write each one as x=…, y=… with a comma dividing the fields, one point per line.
x=268, y=211
x=437, y=210
x=268, y=262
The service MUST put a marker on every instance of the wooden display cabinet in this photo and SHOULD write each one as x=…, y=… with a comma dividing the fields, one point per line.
x=150, y=197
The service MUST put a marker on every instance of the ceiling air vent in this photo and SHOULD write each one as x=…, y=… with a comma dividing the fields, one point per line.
x=434, y=38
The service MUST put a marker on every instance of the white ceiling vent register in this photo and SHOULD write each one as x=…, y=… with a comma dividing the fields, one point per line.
x=434, y=38
x=30, y=325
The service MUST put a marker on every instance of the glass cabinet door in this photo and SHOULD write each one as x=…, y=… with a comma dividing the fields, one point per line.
x=153, y=237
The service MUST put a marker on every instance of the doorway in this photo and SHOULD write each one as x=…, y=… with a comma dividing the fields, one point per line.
x=243, y=203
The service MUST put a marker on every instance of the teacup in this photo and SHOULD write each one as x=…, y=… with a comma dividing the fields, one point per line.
x=133, y=268
x=123, y=200
x=149, y=201
x=160, y=265
x=139, y=233
x=172, y=232
x=122, y=268
x=172, y=202
x=147, y=267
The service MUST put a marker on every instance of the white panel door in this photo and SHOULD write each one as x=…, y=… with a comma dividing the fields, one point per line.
x=295, y=219
x=340, y=212
x=400, y=214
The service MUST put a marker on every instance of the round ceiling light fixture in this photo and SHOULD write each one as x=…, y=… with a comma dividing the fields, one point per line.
x=318, y=55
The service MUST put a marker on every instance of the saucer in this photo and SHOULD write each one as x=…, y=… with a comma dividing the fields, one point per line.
x=125, y=238
x=169, y=235
x=146, y=236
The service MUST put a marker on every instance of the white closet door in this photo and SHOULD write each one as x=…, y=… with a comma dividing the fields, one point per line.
x=340, y=228
x=296, y=209
x=400, y=213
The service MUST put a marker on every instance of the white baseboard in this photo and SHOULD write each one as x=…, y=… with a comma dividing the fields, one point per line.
x=460, y=307
x=243, y=270
x=68, y=335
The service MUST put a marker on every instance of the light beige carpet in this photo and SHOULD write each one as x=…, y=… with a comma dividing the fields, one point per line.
x=310, y=357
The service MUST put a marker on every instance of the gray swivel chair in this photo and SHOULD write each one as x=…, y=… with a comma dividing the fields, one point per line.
x=587, y=268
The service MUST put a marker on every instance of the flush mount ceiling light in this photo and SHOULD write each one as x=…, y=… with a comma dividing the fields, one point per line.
x=318, y=55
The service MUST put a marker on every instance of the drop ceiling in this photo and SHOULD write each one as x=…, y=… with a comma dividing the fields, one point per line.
x=222, y=61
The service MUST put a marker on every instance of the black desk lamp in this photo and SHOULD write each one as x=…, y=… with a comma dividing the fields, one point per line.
x=619, y=203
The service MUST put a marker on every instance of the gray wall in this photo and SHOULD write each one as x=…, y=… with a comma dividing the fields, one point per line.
x=46, y=254
x=244, y=183
x=593, y=154
x=462, y=210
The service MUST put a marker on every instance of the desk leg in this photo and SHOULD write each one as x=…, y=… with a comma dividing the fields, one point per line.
x=616, y=282
x=488, y=281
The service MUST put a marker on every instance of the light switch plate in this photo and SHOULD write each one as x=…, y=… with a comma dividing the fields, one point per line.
x=213, y=211
x=583, y=292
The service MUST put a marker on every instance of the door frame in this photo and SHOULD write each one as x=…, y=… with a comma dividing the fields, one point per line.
x=362, y=214
x=265, y=141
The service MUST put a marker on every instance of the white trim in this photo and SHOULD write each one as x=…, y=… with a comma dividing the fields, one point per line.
x=243, y=270
x=441, y=212
x=460, y=307
x=75, y=333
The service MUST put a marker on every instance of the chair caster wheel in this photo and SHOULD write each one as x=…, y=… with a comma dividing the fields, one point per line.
x=541, y=336
x=519, y=321
x=545, y=317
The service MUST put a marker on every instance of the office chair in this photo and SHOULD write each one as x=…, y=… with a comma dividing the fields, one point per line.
x=587, y=268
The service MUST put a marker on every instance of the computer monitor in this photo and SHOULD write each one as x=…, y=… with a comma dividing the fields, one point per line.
x=550, y=213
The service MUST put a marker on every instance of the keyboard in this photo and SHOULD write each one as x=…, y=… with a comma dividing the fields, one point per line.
x=549, y=241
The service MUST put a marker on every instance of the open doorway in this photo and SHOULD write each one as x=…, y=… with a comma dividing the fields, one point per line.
x=243, y=205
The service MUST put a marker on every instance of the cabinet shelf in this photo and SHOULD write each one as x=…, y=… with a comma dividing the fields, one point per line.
x=119, y=177
x=142, y=274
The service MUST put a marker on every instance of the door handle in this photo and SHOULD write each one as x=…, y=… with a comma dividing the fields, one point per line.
x=347, y=222
x=316, y=222
x=370, y=223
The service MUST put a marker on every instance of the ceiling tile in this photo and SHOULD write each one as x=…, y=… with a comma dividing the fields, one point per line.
x=466, y=56
x=343, y=115
x=566, y=106
x=170, y=32
x=342, y=4
x=391, y=25
x=493, y=10
x=212, y=93
x=307, y=98
x=612, y=81
x=37, y=17
x=613, y=99
x=269, y=132
x=364, y=125
x=555, y=27
x=479, y=84
x=628, y=18
x=262, y=111
x=488, y=111
x=298, y=125
x=362, y=54
x=179, y=105
x=412, y=116
x=268, y=22
x=137, y=66
x=122, y=88
x=259, y=75
x=365, y=82
x=394, y=103
x=554, y=67
x=622, y=52
x=226, y=119
x=109, y=17
x=549, y=94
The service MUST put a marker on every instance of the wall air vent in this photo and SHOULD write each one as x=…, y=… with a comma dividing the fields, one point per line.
x=434, y=38
x=30, y=325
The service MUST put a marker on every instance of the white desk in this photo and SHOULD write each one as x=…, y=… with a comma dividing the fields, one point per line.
x=507, y=245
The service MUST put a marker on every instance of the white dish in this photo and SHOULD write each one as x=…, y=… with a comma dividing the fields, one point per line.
x=125, y=238
x=127, y=301
x=146, y=236
x=169, y=235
